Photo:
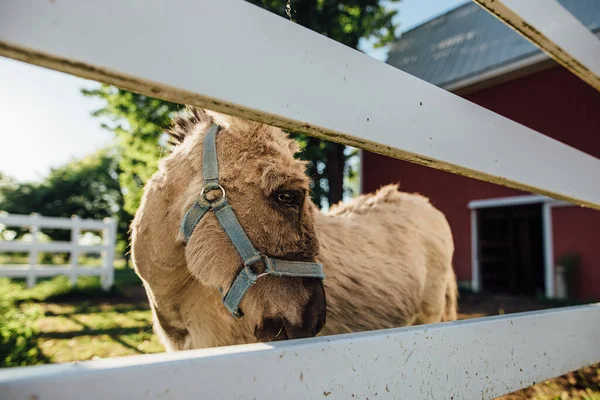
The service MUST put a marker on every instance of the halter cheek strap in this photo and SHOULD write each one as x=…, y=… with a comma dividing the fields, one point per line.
x=230, y=224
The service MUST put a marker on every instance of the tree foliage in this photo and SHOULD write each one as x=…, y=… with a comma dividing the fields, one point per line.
x=138, y=122
x=88, y=188
x=345, y=21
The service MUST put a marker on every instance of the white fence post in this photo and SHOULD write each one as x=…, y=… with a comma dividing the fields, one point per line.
x=475, y=279
x=74, y=264
x=110, y=235
x=548, y=250
x=33, y=253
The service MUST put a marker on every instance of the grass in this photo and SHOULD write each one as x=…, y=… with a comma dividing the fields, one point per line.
x=88, y=331
x=83, y=323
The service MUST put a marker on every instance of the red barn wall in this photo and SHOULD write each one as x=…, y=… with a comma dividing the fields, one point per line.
x=553, y=102
x=576, y=229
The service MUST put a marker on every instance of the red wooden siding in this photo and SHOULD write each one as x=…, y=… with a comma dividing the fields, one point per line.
x=577, y=229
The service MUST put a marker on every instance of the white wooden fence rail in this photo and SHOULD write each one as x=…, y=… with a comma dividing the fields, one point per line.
x=230, y=56
x=34, y=270
x=550, y=26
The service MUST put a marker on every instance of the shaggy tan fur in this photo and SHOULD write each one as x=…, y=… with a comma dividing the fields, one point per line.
x=387, y=256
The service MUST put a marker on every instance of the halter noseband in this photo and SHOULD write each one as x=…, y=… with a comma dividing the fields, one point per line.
x=229, y=222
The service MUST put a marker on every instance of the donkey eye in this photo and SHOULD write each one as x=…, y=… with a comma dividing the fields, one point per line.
x=287, y=198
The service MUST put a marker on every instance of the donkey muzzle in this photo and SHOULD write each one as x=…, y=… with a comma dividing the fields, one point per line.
x=313, y=319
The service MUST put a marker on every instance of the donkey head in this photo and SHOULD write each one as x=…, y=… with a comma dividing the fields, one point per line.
x=267, y=193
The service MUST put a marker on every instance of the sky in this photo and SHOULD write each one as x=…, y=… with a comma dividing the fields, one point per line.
x=46, y=121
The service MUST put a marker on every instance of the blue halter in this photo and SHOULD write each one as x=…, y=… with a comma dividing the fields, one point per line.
x=229, y=222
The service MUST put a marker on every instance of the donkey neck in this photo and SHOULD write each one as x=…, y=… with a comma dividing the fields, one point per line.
x=158, y=255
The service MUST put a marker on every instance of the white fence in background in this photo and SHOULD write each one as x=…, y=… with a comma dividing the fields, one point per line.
x=244, y=61
x=34, y=270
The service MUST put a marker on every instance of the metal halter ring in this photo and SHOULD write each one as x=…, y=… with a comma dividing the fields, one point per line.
x=268, y=266
x=212, y=186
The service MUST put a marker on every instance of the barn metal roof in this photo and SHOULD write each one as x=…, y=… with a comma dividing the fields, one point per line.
x=468, y=41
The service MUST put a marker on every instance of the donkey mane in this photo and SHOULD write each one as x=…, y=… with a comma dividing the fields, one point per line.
x=184, y=122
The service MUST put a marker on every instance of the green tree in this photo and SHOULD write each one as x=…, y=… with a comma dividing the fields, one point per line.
x=7, y=184
x=139, y=121
x=88, y=188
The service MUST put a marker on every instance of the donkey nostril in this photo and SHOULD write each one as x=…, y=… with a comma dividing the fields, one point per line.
x=271, y=329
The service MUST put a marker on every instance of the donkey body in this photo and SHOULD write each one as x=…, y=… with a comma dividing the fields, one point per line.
x=387, y=256
x=388, y=261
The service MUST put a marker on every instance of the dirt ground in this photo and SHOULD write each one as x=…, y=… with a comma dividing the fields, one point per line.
x=480, y=305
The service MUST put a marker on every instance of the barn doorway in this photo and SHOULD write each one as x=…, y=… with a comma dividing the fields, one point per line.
x=511, y=249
